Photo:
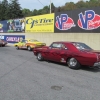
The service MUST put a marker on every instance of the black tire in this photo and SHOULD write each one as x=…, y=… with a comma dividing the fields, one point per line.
x=39, y=57
x=17, y=47
x=3, y=45
x=73, y=63
x=29, y=48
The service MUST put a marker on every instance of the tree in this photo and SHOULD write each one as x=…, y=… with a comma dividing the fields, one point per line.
x=34, y=12
x=26, y=12
x=81, y=4
x=45, y=10
x=1, y=11
x=5, y=9
x=52, y=8
x=69, y=6
x=15, y=9
x=59, y=9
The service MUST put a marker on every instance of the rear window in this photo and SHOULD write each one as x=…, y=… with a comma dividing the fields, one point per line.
x=82, y=46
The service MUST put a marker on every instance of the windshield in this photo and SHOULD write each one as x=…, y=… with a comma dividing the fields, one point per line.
x=82, y=46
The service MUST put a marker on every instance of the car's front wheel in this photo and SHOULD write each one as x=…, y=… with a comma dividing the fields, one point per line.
x=17, y=47
x=73, y=63
x=39, y=57
x=29, y=48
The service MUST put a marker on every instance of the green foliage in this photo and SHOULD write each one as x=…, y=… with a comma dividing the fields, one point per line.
x=4, y=9
x=26, y=12
x=15, y=9
x=12, y=9
x=67, y=7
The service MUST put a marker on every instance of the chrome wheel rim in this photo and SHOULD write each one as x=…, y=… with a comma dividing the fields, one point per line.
x=16, y=47
x=73, y=62
x=29, y=48
x=39, y=56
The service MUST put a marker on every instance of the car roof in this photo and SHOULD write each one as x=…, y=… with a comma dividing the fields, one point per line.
x=66, y=42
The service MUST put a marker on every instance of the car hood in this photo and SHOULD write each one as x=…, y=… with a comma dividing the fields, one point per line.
x=37, y=43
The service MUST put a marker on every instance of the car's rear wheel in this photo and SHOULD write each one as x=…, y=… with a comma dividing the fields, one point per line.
x=73, y=63
x=17, y=47
x=29, y=48
x=39, y=57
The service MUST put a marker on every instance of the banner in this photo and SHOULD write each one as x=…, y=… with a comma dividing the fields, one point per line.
x=12, y=25
x=3, y=26
x=41, y=23
x=85, y=20
x=12, y=38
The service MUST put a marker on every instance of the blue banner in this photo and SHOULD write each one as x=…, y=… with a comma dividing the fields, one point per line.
x=12, y=38
x=12, y=25
x=3, y=26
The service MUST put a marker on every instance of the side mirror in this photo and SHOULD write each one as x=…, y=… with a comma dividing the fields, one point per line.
x=65, y=48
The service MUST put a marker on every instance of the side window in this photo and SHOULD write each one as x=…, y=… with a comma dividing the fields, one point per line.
x=59, y=45
x=63, y=46
x=23, y=41
x=54, y=45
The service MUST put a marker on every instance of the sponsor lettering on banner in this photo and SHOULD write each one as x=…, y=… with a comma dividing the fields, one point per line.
x=89, y=20
x=41, y=23
x=64, y=22
x=12, y=38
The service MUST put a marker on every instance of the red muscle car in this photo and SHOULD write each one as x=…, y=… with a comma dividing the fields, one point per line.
x=74, y=54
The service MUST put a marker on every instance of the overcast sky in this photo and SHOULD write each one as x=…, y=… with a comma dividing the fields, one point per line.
x=35, y=4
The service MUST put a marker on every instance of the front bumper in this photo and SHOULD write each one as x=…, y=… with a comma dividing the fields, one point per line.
x=97, y=64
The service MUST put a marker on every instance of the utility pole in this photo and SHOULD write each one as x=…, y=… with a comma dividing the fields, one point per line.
x=50, y=6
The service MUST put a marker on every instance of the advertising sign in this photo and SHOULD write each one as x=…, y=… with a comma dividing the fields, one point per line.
x=89, y=21
x=3, y=26
x=16, y=25
x=12, y=38
x=85, y=20
x=41, y=23
x=12, y=25
x=64, y=22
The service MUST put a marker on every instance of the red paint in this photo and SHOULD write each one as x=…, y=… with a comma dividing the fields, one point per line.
x=84, y=57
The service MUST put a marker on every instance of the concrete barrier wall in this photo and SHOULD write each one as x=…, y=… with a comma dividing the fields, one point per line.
x=92, y=39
